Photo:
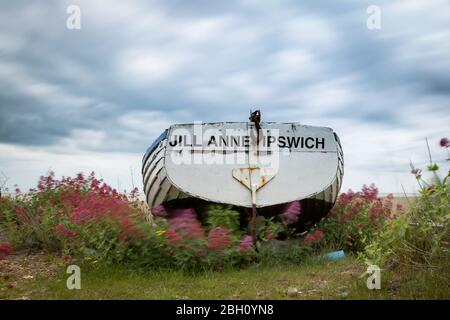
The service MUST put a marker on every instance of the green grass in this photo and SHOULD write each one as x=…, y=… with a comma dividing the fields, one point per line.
x=313, y=279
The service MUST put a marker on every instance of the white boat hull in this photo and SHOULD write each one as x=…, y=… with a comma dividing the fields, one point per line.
x=309, y=166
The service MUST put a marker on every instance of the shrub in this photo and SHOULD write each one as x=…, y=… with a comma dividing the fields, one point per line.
x=355, y=218
x=270, y=229
x=86, y=219
x=222, y=215
x=420, y=237
x=281, y=225
x=49, y=217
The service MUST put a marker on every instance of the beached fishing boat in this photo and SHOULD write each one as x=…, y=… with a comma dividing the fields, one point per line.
x=246, y=164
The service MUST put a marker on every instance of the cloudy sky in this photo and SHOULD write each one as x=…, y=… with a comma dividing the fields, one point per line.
x=95, y=98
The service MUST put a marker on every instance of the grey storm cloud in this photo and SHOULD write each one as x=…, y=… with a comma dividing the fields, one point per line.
x=135, y=67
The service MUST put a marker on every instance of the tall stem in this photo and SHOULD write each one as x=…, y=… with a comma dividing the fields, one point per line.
x=429, y=152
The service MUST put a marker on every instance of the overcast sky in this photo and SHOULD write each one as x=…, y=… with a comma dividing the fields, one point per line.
x=94, y=99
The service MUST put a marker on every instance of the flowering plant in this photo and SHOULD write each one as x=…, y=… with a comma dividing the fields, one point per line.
x=355, y=218
x=420, y=237
x=5, y=249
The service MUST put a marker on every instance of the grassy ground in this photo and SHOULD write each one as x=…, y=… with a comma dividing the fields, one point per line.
x=43, y=277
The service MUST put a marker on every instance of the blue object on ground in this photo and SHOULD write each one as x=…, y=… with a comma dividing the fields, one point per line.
x=333, y=256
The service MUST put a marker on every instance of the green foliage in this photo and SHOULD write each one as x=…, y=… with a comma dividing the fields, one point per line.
x=222, y=215
x=270, y=228
x=283, y=253
x=84, y=219
x=29, y=223
x=420, y=237
x=355, y=219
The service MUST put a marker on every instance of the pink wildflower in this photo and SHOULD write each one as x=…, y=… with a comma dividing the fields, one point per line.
x=246, y=243
x=128, y=230
x=270, y=236
x=159, y=211
x=172, y=236
x=185, y=225
x=314, y=237
x=5, y=249
x=63, y=231
x=369, y=192
x=219, y=238
x=445, y=143
x=417, y=172
x=291, y=212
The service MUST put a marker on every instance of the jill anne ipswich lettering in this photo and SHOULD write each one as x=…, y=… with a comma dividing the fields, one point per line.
x=269, y=141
